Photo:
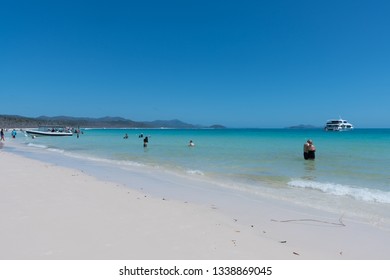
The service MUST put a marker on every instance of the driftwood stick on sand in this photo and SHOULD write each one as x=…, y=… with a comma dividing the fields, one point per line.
x=340, y=223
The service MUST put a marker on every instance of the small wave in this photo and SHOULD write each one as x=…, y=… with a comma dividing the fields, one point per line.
x=364, y=194
x=104, y=160
x=37, y=146
x=130, y=163
x=195, y=172
x=56, y=150
x=41, y=146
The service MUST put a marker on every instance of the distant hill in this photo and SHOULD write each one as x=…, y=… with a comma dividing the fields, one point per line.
x=14, y=121
x=217, y=126
x=170, y=124
x=11, y=121
x=109, y=122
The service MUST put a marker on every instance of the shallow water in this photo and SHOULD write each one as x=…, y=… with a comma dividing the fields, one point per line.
x=350, y=172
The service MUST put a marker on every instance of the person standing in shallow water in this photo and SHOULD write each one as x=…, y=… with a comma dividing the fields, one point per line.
x=309, y=150
x=146, y=141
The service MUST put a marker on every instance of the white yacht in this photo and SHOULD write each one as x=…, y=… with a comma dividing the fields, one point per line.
x=338, y=125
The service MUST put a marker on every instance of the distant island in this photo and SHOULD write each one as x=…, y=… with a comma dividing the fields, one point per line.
x=15, y=121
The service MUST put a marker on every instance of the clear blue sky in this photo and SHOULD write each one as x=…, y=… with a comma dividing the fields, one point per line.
x=237, y=63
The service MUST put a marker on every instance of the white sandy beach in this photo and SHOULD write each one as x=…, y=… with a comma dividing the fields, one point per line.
x=52, y=212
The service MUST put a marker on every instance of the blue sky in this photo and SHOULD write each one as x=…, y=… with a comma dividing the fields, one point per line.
x=237, y=63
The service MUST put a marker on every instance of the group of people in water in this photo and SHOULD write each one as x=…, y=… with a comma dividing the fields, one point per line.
x=2, y=134
x=146, y=140
x=309, y=150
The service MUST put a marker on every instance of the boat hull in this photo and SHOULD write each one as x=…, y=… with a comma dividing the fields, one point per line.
x=48, y=133
x=337, y=129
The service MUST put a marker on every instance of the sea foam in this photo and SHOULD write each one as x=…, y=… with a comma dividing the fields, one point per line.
x=364, y=194
x=37, y=146
x=195, y=172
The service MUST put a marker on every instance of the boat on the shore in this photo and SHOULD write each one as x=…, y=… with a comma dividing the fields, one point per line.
x=338, y=125
x=50, y=131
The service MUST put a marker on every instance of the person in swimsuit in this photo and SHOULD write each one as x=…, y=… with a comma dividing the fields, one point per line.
x=309, y=150
x=146, y=141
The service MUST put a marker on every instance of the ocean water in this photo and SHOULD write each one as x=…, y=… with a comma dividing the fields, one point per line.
x=350, y=172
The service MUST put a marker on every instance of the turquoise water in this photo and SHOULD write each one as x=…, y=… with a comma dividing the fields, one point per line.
x=352, y=164
x=350, y=175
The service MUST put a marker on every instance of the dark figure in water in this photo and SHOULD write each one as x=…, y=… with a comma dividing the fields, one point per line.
x=146, y=141
x=309, y=150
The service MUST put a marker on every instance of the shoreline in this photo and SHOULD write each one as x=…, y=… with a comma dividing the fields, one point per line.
x=189, y=184
x=55, y=212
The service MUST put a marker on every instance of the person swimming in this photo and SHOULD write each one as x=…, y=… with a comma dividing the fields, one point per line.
x=191, y=144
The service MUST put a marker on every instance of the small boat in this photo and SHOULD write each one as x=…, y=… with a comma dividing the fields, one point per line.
x=50, y=131
x=338, y=125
